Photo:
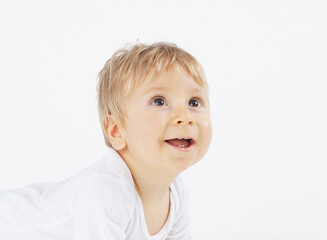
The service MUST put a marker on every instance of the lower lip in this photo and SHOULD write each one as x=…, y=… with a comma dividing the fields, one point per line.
x=189, y=148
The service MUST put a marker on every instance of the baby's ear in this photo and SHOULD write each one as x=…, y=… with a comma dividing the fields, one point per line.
x=114, y=133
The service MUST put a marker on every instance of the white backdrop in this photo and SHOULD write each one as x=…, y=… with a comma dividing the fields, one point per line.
x=264, y=176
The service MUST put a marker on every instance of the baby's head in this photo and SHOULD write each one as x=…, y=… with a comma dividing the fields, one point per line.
x=149, y=96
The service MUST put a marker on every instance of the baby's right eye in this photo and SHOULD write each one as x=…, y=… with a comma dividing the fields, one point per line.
x=158, y=102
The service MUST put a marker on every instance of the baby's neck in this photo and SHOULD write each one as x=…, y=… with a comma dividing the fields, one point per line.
x=151, y=192
x=151, y=182
x=156, y=215
x=155, y=200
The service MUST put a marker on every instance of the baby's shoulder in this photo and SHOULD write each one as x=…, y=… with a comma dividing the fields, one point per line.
x=107, y=195
x=111, y=184
x=108, y=183
x=110, y=165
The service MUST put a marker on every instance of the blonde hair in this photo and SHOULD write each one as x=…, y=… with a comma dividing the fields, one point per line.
x=128, y=68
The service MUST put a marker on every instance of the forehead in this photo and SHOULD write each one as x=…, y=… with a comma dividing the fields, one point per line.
x=173, y=79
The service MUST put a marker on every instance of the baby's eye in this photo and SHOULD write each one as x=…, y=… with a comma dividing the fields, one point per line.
x=159, y=102
x=194, y=103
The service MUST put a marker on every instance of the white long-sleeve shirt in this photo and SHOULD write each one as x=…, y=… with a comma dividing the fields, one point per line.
x=98, y=203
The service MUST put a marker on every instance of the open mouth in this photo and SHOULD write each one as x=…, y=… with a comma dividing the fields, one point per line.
x=183, y=144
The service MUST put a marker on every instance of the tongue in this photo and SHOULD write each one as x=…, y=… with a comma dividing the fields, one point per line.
x=177, y=142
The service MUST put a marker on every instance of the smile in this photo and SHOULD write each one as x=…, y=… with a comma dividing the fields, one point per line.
x=181, y=144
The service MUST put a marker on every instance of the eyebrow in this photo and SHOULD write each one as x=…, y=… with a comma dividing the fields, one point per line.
x=158, y=89
x=152, y=89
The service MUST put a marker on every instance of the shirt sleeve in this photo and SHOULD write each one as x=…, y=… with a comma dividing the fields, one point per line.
x=102, y=208
x=182, y=227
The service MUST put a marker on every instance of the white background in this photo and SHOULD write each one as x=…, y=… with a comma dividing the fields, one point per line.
x=264, y=176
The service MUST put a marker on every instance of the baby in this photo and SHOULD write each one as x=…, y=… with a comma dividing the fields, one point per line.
x=154, y=112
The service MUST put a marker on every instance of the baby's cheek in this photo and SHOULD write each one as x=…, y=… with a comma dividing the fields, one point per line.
x=147, y=128
x=208, y=139
x=152, y=123
x=205, y=133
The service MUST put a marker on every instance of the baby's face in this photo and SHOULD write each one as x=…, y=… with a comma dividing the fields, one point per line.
x=158, y=113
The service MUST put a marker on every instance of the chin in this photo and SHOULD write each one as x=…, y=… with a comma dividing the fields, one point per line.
x=182, y=164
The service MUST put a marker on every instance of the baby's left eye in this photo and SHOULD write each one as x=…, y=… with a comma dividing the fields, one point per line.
x=194, y=103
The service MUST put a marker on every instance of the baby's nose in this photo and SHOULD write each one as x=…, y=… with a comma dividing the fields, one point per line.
x=183, y=117
x=185, y=122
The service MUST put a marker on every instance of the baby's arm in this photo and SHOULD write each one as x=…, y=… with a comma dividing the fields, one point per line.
x=102, y=208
